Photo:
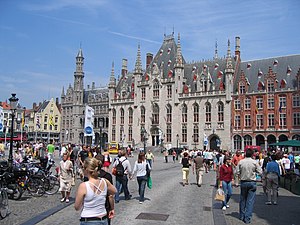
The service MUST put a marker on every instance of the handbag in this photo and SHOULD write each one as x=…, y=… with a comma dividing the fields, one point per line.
x=220, y=195
x=114, y=171
x=147, y=170
x=149, y=182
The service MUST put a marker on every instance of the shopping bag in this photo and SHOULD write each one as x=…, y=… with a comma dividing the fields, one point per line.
x=149, y=182
x=220, y=195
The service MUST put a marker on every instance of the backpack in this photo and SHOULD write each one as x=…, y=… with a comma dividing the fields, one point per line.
x=120, y=168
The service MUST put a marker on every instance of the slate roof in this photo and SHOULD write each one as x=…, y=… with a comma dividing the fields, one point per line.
x=95, y=93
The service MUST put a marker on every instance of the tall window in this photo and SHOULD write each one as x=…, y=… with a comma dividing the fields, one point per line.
x=196, y=113
x=237, y=142
x=259, y=102
x=296, y=119
x=143, y=114
x=247, y=103
x=282, y=101
x=46, y=118
x=169, y=133
x=237, y=104
x=130, y=133
x=155, y=115
x=143, y=93
x=270, y=87
x=114, y=117
x=242, y=88
x=237, y=122
x=184, y=133
x=247, y=120
x=156, y=89
x=296, y=101
x=271, y=120
x=247, y=140
x=169, y=91
x=271, y=102
x=220, y=112
x=113, y=133
x=122, y=116
x=282, y=120
x=56, y=119
x=169, y=114
x=196, y=134
x=207, y=112
x=130, y=116
x=184, y=113
x=259, y=121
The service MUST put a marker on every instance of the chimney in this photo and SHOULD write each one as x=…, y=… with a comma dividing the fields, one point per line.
x=124, y=67
x=149, y=58
x=56, y=101
x=34, y=106
x=93, y=85
x=237, y=47
x=88, y=86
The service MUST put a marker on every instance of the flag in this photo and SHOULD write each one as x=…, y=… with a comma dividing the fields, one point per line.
x=38, y=125
x=51, y=123
x=89, y=120
x=23, y=119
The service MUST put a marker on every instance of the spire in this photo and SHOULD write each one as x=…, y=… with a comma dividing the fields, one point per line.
x=229, y=67
x=63, y=91
x=80, y=55
x=138, y=63
x=216, y=50
x=179, y=55
x=79, y=61
x=112, y=80
x=228, y=50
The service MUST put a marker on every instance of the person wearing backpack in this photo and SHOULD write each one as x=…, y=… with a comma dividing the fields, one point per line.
x=123, y=170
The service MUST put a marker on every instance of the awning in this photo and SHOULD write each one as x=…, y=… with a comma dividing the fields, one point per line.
x=290, y=143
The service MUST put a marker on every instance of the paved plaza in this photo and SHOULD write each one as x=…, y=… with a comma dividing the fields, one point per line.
x=168, y=202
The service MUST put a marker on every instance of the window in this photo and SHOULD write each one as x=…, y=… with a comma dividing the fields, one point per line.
x=45, y=126
x=55, y=127
x=282, y=120
x=242, y=88
x=122, y=116
x=237, y=141
x=271, y=120
x=259, y=121
x=143, y=93
x=220, y=112
x=113, y=133
x=247, y=140
x=247, y=103
x=237, y=122
x=143, y=114
x=169, y=91
x=282, y=101
x=114, y=117
x=169, y=114
x=155, y=115
x=122, y=136
x=296, y=101
x=56, y=119
x=259, y=102
x=196, y=113
x=169, y=133
x=50, y=127
x=296, y=119
x=247, y=120
x=207, y=112
x=271, y=102
x=271, y=87
x=237, y=104
x=46, y=119
x=196, y=134
x=184, y=133
x=184, y=114
x=130, y=116
x=130, y=133
x=156, y=89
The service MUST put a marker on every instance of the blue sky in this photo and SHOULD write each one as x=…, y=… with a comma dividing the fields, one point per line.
x=39, y=40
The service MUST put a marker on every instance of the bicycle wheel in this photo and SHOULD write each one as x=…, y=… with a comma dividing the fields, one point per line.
x=35, y=187
x=52, y=185
x=3, y=204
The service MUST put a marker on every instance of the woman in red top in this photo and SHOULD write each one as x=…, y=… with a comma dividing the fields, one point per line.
x=226, y=178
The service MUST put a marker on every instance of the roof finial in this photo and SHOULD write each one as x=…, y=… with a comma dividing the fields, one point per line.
x=216, y=49
x=228, y=50
x=179, y=55
x=138, y=63
x=112, y=79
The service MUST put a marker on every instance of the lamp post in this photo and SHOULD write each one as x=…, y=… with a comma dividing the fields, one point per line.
x=177, y=138
x=144, y=133
x=13, y=101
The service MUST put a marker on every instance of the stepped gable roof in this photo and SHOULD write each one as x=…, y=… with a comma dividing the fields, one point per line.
x=165, y=58
x=284, y=68
x=211, y=70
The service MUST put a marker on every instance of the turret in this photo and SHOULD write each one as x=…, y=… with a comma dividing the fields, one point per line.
x=229, y=71
x=137, y=75
x=79, y=74
x=179, y=71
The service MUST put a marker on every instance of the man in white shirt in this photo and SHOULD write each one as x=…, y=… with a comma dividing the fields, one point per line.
x=286, y=163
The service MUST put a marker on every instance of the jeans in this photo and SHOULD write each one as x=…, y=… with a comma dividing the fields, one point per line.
x=227, y=188
x=150, y=162
x=94, y=222
x=142, y=185
x=247, y=198
x=121, y=182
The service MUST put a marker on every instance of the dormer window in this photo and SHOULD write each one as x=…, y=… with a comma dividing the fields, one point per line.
x=271, y=86
x=260, y=86
x=242, y=88
x=283, y=83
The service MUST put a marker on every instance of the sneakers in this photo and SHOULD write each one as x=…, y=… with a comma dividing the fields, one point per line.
x=268, y=203
x=62, y=200
x=274, y=203
x=140, y=202
x=67, y=200
x=224, y=208
x=227, y=206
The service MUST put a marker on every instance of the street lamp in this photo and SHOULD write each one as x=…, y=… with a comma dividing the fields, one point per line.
x=13, y=101
x=177, y=138
x=144, y=133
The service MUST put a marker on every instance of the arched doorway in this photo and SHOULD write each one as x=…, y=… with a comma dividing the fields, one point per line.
x=296, y=137
x=156, y=136
x=271, y=139
x=282, y=137
x=260, y=141
x=214, y=142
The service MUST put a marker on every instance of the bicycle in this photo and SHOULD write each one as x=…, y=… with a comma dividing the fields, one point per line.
x=4, y=207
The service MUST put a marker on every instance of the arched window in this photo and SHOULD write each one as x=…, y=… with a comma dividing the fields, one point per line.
x=130, y=115
x=122, y=116
x=130, y=133
x=184, y=113
x=156, y=89
x=207, y=112
x=196, y=134
x=169, y=133
x=155, y=114
x=143, y=114
x=220, y=112
x=113, y=133
x=184, y=133
x=169, y=113
x=196, y=113
x=247, y=140
x=114, y=116
x=237, y=142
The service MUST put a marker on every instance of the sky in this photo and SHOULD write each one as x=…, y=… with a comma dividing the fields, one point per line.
x=39, y=40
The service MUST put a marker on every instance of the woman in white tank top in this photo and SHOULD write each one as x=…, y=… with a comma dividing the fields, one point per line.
x=91, y=196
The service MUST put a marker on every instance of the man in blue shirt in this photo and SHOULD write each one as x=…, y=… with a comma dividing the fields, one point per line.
x=273, y=174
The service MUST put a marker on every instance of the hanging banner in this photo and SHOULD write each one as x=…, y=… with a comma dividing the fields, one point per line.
x=1, y=119
x=89, y=121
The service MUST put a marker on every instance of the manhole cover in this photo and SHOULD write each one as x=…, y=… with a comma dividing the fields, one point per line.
x=152, y=216
x=206, y=208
